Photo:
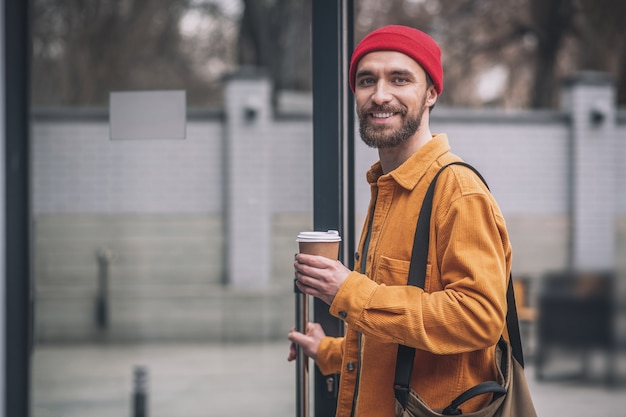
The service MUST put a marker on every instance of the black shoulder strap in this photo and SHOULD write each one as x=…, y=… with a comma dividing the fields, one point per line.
x=417, y=277
x=419, y=256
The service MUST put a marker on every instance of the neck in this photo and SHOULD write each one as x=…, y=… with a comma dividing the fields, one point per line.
x=392, y=158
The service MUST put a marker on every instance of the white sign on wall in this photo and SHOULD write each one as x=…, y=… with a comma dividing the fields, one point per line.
x=147, y=114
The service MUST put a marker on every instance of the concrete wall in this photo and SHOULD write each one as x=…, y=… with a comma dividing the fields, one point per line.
x=183, y=217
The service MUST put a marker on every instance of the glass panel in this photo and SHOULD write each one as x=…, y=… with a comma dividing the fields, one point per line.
x=163, y=277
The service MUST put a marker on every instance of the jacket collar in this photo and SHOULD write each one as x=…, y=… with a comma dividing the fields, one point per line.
x=413, y=169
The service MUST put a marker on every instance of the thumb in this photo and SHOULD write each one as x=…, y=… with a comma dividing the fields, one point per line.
x=297, y=337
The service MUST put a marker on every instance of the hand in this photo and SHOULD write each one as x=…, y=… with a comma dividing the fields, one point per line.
x=320, y=277
x=308, y=342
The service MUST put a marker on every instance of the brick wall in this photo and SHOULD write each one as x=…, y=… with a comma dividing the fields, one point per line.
x=77, y=169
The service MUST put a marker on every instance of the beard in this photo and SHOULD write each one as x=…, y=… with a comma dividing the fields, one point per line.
x=383, y=136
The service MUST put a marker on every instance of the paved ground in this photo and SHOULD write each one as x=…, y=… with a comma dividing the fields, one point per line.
x=234, y=380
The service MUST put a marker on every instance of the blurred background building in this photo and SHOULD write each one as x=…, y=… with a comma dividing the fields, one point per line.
x=199, y=230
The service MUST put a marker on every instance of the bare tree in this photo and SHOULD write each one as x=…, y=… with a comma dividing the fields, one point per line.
x=84, y=49
x=537, y=42
x=550, y=22
x=276, y=35
x=601, y=34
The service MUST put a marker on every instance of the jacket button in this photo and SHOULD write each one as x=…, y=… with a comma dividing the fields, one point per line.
x=350, y=366
x=356, y=256
x=343, y=314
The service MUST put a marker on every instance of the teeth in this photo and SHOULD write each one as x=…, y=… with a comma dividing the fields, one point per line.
x=382, y=115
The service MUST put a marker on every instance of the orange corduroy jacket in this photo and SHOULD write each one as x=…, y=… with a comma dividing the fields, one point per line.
x=455, y=322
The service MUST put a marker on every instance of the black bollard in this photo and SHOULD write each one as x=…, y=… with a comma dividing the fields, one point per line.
x=140, y=392
x=105, y=257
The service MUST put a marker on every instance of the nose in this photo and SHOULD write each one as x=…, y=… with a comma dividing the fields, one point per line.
x=382, y=93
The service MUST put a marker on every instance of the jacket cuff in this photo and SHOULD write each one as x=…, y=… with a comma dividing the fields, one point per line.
x=352, y=297
x=329, y=355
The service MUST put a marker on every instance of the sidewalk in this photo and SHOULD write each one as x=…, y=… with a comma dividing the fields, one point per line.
x=227, y=381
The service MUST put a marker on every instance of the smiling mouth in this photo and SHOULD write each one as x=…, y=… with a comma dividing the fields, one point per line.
x=382, y=115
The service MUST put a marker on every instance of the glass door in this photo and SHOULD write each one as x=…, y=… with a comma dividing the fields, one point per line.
x=171, y=171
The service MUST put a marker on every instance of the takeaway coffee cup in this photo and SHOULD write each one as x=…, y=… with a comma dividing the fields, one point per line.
x=320, y=243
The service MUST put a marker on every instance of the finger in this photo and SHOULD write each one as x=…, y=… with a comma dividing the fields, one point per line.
x=304, y=280
x=308, y=290
x=315, y=261
x=302, y=258
x=299, y=338
x=311, y=327
x=304, y=269
x=307, y=284
x=293, y=352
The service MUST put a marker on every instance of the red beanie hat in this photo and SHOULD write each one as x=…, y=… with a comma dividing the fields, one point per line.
x=412, y=42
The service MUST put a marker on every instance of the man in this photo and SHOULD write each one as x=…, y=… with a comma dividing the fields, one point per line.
x=454, y=323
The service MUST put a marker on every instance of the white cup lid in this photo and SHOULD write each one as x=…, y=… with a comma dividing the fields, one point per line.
x=329, y=236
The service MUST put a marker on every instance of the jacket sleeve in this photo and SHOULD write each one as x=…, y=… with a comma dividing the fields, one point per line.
x=329, y=355
x=464, y=311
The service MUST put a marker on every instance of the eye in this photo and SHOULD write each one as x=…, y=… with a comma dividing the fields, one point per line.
x=366, y=81
x=400, y=80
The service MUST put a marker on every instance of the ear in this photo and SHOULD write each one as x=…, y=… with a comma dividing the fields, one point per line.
x=431, y=96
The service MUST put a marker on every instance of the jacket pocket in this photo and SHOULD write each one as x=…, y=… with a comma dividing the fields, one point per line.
x=395, y=271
